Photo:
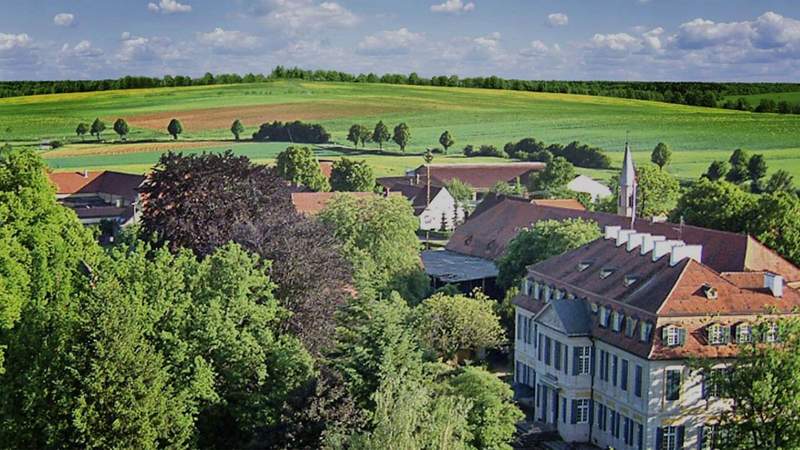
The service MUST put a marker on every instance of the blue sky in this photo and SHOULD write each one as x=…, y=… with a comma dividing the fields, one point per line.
x=738, y=40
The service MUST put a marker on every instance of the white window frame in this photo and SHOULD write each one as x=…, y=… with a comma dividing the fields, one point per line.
x=744, y=333
x=605, y=315
x=582, y=410
x=673, y=336
x=645, y=329
x=630, y=326
x=715, y=334
x=771, y=336
x=584, y=360
x=616, y=321
x=669, y=440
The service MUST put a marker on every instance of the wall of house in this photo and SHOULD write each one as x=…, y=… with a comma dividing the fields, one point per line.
x=589, y=186
x=442, y=203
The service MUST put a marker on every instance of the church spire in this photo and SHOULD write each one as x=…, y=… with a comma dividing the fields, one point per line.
x=627, y=185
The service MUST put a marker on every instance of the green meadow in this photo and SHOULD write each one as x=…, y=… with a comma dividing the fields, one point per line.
x=474, y=116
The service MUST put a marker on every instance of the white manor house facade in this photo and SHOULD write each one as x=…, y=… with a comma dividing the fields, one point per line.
x=606, y=334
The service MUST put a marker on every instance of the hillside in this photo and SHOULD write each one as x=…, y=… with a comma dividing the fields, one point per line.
x=473, y=116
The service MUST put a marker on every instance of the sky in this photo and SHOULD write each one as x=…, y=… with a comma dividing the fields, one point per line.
x=690, y=40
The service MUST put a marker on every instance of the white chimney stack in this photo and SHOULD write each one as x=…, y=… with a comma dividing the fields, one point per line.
x=662, y=248
x=636, y=240
x=623, y=236
x=681, y=252
x=612, y=231
x=648, y=242
x=774, y=283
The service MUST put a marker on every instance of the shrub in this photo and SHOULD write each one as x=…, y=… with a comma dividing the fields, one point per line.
x=296, y=131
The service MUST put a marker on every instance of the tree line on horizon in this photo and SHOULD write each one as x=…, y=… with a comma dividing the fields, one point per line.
x=707, y=94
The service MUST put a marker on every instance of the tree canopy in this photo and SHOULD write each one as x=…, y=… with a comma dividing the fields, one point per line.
x=359, y=133
x=237, y=129
x=700, y=205
x=174, y=128
x=381, y=134
x=446, y=140
x=121, y=128
x=97, y=128
x=661, y=155
x=348, y=175
x=299, y=166
x=545, y=239
x=402, y=136
x=555, y=176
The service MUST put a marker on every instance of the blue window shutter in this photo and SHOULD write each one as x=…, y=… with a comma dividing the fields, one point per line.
x=574, y=412
x=682, y=336
x=591, y=362
x=591, y=414
x=575, y=360
x=624, y=378
x=726, y=334
x=641, y=437
x=566, y=359
x=680, y=437
x=519, y=326
x=659, y=438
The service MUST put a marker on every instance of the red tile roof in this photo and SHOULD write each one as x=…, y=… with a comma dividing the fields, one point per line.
x=490, y=228
x=661, y=293
x=105, y=182
x=311, y=203
x=326, y=167
x=481, y=177
x=568, y=203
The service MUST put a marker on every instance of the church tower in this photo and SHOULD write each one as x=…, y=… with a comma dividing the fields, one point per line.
x=626, y=205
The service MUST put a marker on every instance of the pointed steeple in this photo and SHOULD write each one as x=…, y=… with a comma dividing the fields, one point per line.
x=626, y=205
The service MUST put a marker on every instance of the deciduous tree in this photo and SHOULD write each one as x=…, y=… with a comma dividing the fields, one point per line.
x=381, y=134
x=121, y=128
x=555, y=175
x=781, y=180
x=358, y=133
x=700, y=205
x=446, y=140
x=352, y=176
x=98, y=126
x=717, y=170
x=299, y=166
x=174, y=128
x=401, y=136
x=738, y=161
x=82, y=129
x=237, y=129
x=545, y=239
x=661, y=155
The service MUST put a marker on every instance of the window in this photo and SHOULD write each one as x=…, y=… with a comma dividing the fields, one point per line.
x=534, y=338
x=606, y=272
x=673, y=386
x=547, y=350
x=614, y=365
x=672, y=336
x=529, y=337
x=603, y=373
x=616, y=321
x=771, y=334
x=546, y=294
x=744, y=333
x=644, y=331
x=709, y=440
x=716, y=335
x=623, y=381
x=637, y=381
x=601, y=417
x=630, y=326
x=713, y=383
x=536, y=288
x=566, y=359
x=630, y=280
x=627, y=430
x=540, y=347
x=606, y=364
x=670, y=439
x=526, y=286
x=584, y=355
x=583, y=265
x=616, y=424
x=604, y=314
x=582, y=410
x=519, y=326
x=563, y=409
x=640, y=437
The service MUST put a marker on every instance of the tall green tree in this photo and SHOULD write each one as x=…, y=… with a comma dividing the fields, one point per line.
x=449, y=326
x=121, y=128
x=699, y=205
x=555, y=175
x=756, y=170
x=775, y=222
x=717, y=170
x=237, y=128
x=781, y=180
x=546, y=238
x=764, y=392
x=401, y=136
x=174, y=128
x=739, y=161
x=446, y=140
x=381, y=134
x=493, y=416
x=461, y=192
x=358, y=133
x=661, y=155
x=98, y=126
x=348, y=175
x=379, y=238
x=658, y=191
x=299, y=166
x=82, y=129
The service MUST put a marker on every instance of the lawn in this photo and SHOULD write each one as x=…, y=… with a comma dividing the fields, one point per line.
x=473, y=116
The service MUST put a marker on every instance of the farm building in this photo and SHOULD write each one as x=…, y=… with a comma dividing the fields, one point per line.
x=99, y=196
x=440, y=211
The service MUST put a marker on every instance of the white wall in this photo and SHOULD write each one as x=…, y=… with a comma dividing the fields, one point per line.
x=443, y=202
x=595, y=189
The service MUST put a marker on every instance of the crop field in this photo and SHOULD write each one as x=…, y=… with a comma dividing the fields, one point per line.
x=474, y=116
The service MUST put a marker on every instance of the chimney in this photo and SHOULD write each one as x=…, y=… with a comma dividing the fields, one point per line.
x=661, y=248
x=774, y=283
x=85, y=173
x=636, y=240
x=648, y=242
x=611, y=232
x=623, y=236
x=681, y=252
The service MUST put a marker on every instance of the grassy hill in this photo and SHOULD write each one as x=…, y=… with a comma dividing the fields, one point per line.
x=473, y=116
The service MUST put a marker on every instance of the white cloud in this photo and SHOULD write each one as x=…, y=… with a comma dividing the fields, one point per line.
x=557, y=20
x=231, y=41
x=169, y=7
x=390, y=42
x=453, y=7
x=773, y=30
x=619, y=43
x=138, y=48
x=64, y=19
x=303, y=17
x=19, y=57
x=701, y=33
x=538, y=48
x=12, y=42
x=82, y=49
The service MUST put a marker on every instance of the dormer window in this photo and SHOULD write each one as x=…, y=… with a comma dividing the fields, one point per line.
x=630, y=280
x=604, y=315
x=771, y=335
x=744, y=333
x=547, y=292
x=709, y=292
x=536, y=290
x=673, y=336
x=583, y=265
x=559, y=294
x=594, y=307
x=644, y=331
x=468, y=240
x=526, y=287
x=630, y=326
x=717, y=334
x=606, y=272
x=616, y=321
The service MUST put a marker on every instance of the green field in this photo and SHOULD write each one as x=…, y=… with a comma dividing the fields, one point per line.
x=473, y=116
